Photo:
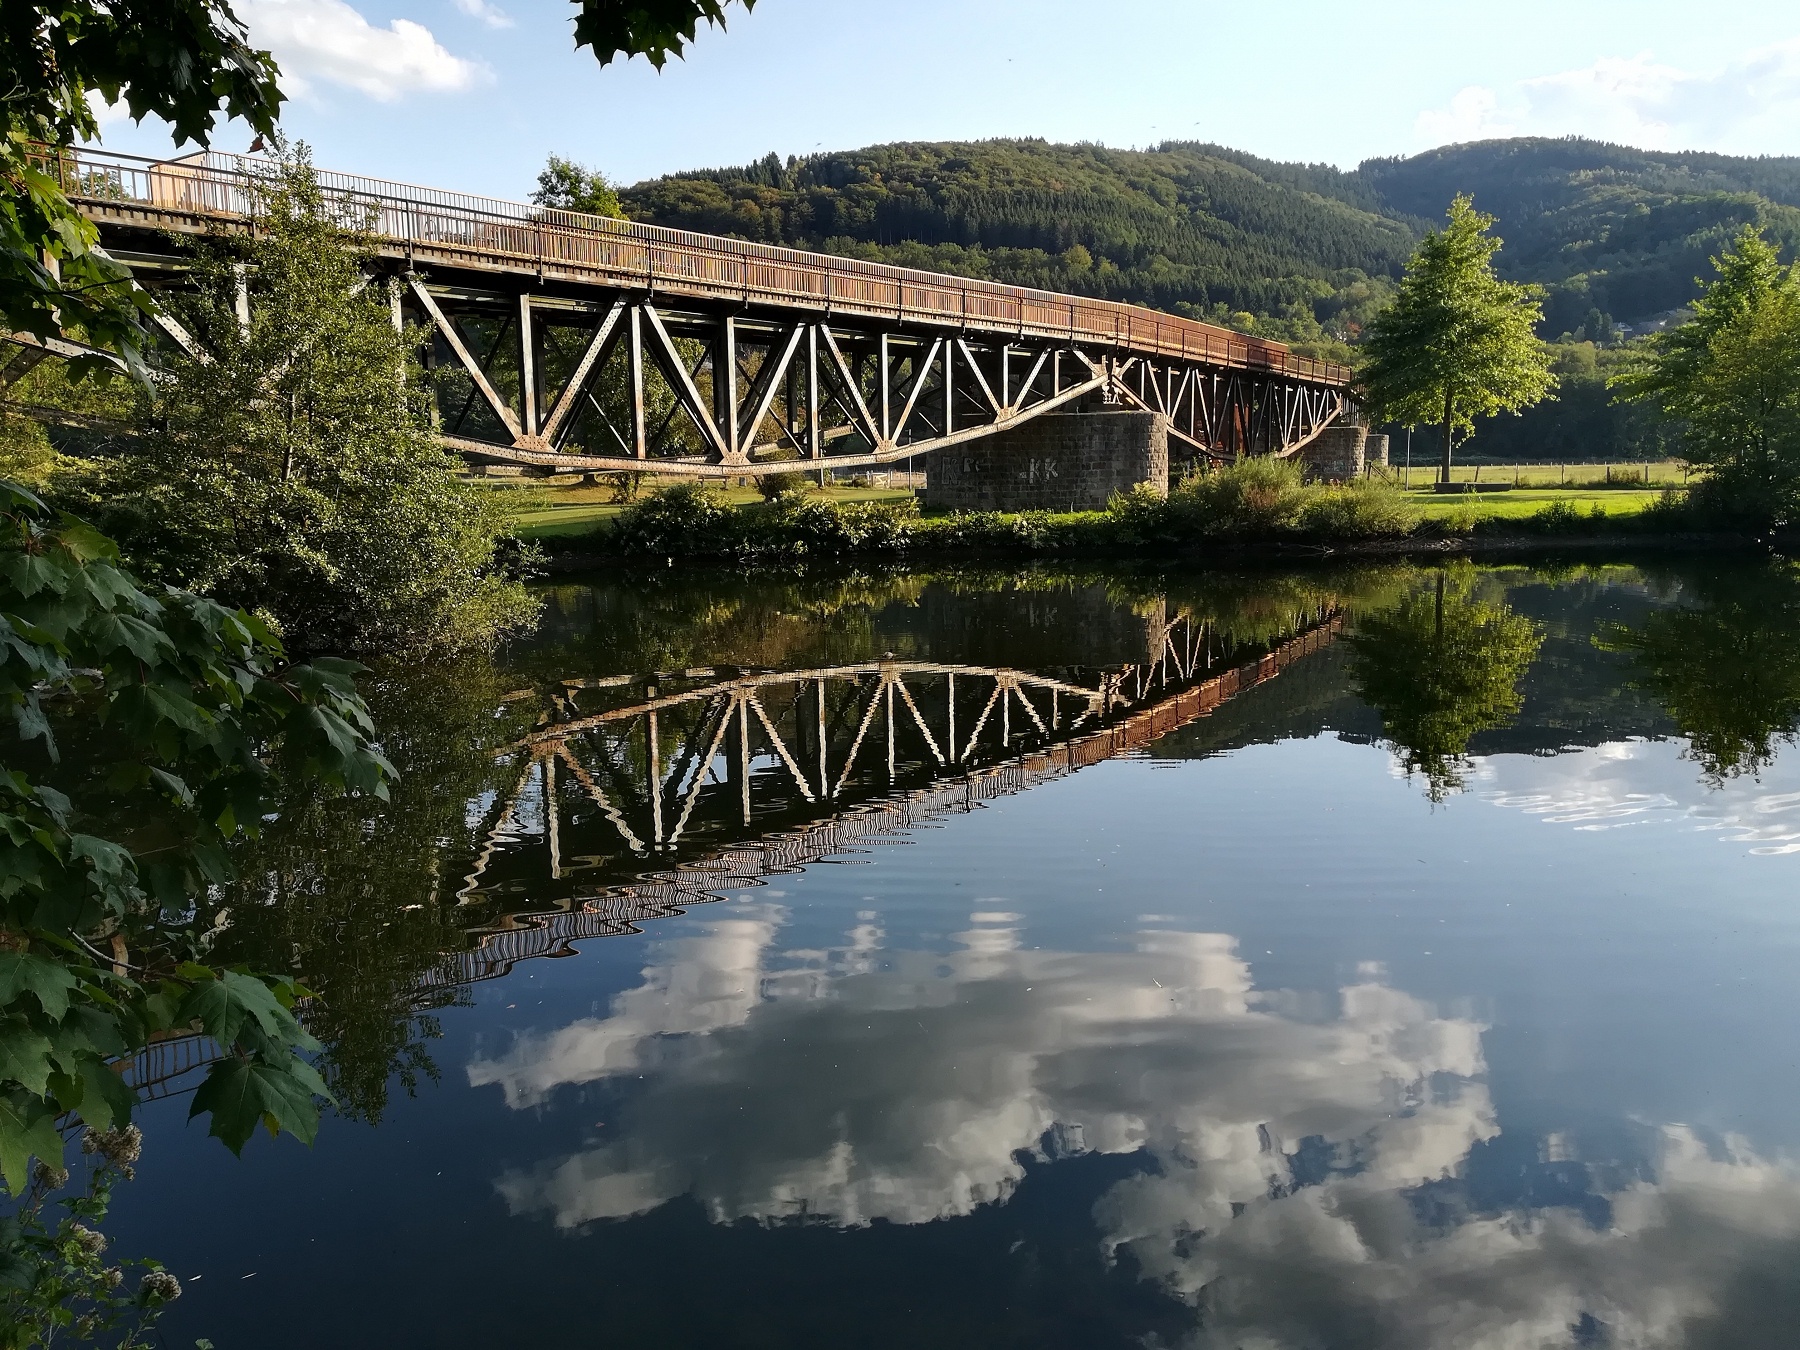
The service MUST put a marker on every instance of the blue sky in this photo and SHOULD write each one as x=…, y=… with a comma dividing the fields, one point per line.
x=473, y=94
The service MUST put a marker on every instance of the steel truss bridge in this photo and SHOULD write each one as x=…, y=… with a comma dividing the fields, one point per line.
x=580, y=343
x=701, y=784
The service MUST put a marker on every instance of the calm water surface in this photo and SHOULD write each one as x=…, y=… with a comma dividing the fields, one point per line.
x=1436, y=988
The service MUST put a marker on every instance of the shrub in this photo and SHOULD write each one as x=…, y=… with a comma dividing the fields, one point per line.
x=1557, y=518
x=1139, y=514
x=1253, y=496
x=1005, y=531
x=788, y=483
x=811, y=526
x=681, y=518
x=1359, y=510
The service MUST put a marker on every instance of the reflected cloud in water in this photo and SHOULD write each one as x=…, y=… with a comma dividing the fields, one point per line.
x=1649, y=783
x=1307, y=1162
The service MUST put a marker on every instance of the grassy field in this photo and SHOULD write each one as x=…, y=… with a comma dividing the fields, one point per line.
x=1604, y=477
x=1529, y=501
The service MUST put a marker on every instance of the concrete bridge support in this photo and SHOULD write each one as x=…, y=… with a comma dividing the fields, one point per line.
x=1055, y=462
x=1338, y=453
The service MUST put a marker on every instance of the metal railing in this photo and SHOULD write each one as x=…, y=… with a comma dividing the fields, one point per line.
x=484, y=232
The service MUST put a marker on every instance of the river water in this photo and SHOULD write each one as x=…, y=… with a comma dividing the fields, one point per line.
x=1383, y=957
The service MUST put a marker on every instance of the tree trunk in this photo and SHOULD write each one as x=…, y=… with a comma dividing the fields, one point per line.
x=1449, y=412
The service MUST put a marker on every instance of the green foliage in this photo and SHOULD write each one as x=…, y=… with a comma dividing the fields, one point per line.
x=55, y=1280
x=1439, y=666
x=1731, y=376
x=689, y=520
x=198, y=713
x=654, y=29
x=1458, y=342
x=681, y=519
x=1364, y=509
x=568, y=186
x=1582, y=421
x=184, y=61
x=775, y=486
x=1180, y=227
x=1726, y=664
x=294, y=472
x=1303, y=254
x=359, y=895
x=1255, y=496
x=1601, y=227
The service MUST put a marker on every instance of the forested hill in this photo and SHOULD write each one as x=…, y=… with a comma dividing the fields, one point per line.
x=1208, y=231
x=1181, y=228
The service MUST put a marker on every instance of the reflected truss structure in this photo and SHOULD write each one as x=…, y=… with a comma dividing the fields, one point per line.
x=714, y=785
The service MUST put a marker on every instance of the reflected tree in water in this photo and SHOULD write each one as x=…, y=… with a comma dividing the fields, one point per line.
x=358, y=900
x=1726, y=665
x=1439, y=666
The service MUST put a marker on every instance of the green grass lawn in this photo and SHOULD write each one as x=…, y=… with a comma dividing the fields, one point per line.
x=1602, y=477
x=1523, y=502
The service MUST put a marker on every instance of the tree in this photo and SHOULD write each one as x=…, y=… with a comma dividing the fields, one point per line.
x=1726, y=665
x=185, y=61
x=655, y=29
x=1440, y=666
x=294, y=471
x=1458, y=342
x=568, y=186
x=193, y=715
x=1731, y=374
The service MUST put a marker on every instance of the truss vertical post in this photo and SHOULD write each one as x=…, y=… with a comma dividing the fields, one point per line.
x=725, y=384
x=885, y=362
x=949, y=387
x=824, y=771
x=527, y=367
x=656, y=812
x=814, y=446
x=639, y=442
x=744, y=753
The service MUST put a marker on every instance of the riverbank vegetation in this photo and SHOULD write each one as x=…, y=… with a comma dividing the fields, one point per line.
x=1256, y=505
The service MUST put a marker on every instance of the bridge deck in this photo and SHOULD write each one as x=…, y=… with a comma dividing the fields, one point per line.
x=451, y=229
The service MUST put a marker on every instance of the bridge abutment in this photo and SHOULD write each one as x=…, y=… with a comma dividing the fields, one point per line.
x=1339, y=453
x=1056, y=462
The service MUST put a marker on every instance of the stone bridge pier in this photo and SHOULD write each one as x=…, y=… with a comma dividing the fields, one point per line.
x=1056, y=462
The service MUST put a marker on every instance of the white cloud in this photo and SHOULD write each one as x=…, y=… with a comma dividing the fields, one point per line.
x=328, y=41
x=488, y=14
x=1753, y=101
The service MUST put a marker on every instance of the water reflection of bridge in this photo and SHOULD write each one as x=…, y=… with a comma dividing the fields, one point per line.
x=765, y=772
x=769, y=771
